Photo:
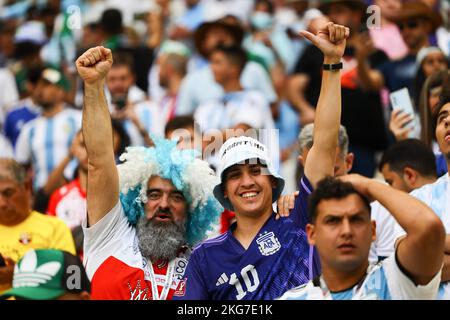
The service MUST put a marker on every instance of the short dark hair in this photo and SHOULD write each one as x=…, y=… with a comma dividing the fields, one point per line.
x=235, y=54
x=179, y=122
x=123, y=58
x=111, y=21
x=443, y=100
x=267, y=3
x=410, y=153
x=331, y=188
x=34, y=74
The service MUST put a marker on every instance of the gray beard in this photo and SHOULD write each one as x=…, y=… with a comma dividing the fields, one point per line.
x=160, y=240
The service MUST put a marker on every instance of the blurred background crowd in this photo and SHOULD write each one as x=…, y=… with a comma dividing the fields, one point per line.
x=222, y=63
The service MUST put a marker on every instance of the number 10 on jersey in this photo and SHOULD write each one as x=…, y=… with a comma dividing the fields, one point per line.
x=245, y=274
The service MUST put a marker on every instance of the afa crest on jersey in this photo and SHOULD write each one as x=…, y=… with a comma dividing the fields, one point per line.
x=268, y=243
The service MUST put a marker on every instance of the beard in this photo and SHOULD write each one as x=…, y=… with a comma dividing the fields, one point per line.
x=447, y=156
x=160, y=240
x=46, y=105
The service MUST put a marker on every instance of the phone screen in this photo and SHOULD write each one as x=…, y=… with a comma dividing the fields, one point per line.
x=401, y=99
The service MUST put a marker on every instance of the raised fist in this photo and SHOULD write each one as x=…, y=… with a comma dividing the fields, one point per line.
x=331, y=40
x=94, y=64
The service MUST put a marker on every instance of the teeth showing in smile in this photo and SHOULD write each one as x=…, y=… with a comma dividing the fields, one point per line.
x=249, y=195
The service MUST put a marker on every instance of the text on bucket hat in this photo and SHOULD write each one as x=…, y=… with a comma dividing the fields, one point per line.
x=237, y=151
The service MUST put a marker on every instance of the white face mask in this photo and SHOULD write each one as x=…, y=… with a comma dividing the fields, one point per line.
x=286, y=16
x=261, y=20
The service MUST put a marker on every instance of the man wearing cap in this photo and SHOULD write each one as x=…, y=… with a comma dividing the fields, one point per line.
x=261, y=257
x=45, y=141
x=29, y=39
x=144, y=215
x=49, y=275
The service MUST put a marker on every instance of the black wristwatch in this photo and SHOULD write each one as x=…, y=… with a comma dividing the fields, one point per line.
x=333, y=67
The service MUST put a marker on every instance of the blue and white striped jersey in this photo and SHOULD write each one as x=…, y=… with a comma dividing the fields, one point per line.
x=383, y=281
x=44, y=142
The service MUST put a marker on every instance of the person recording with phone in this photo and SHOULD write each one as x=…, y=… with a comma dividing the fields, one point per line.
x=129, y=104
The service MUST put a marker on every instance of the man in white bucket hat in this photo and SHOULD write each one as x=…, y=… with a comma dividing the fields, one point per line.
x=261, y=257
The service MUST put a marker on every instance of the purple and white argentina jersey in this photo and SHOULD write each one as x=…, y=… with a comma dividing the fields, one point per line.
x=278, y=259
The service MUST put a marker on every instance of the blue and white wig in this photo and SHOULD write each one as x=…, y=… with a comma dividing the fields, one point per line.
x=190, y=175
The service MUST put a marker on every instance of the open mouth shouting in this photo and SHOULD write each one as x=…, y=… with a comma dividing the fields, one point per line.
x=163, y=216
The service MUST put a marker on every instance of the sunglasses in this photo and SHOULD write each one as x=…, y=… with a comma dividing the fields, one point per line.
x=412, y=24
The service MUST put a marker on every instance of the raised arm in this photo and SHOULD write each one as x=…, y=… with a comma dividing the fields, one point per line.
x=331, y=40
x=103, y=180
x=421, y=252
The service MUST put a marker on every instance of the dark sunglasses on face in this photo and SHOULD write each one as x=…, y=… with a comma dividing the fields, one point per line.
x=411, y=24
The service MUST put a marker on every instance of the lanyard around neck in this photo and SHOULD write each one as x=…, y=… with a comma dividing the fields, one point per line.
x=167, y=282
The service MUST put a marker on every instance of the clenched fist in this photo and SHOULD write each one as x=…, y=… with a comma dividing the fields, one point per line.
x=94, y=64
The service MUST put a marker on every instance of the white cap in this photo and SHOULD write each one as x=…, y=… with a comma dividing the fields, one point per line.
x=424, y=52
x=237, y=151
x=33, y=31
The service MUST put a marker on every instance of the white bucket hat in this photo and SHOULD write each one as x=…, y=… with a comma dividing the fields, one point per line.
x=237, y=151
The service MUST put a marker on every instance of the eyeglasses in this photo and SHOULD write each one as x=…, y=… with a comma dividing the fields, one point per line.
x=411, y=24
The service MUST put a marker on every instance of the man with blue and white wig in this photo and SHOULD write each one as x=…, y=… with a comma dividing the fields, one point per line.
x=145, y=214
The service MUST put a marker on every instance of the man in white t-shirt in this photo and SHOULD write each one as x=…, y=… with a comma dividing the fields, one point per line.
x=144, y=215
x=342, y=231
x=406, y=165
x=437, y=195
x=237, y=109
